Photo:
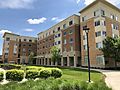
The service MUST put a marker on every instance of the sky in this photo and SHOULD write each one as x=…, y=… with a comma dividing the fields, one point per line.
x=29, y=17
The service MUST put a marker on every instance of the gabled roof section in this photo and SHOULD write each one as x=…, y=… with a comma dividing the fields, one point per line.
x=102, y=1
x=10, y=34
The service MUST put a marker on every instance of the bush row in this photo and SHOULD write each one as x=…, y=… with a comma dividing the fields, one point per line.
x=10, y=66
x=17, y=75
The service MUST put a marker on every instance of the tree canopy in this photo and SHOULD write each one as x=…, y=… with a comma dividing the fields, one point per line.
x=55, y=53
x=111, y=48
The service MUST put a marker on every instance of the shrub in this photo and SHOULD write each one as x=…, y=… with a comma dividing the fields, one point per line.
x=34, y=68
x=10, y=66
x=1, y=76
x=56, y=73
x=45, y=73
x=32, y=74
x=14, y=75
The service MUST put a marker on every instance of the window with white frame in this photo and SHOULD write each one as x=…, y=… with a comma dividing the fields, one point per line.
x=100, y=60
x=84, y=18
x=85, y=47
x=97, y=23
x=99, y=45
x=96, y=13
x=98, y=33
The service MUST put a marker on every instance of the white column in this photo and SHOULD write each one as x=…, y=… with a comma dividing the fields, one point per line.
x=75, y=61
x=48, y=62
x=68, y=61
x=62, y=61
x=41, y=61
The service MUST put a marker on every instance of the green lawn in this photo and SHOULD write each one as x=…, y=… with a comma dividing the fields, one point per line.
x=69, y=77
x=81, y=75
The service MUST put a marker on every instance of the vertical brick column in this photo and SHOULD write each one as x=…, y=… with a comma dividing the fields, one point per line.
x=75, y=61
x=62, y=61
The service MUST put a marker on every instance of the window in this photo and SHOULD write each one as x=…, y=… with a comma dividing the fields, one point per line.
x=53, y=31
x=64, y=26
x=24, y=50
x=24, y=45
x=103, y=23
x=30, y=45
x=65, y=42
x=99, y=45
x=84, y=18
x=86, y=59
x=7, y=39
x=71, y=40
x=85, y=47
x=71, y=22
x=58, y=42
x=98, y=33
x=115, y=26
x=115, y=36
x=25, y=40
x=102, y=12
x=58, y=28
x=84, y=37
x=71, y=31
x=30, y=40
x=104, y=33
x=112, y=16
x=100, y=60
x=59, y=35
x=96, y=13
x=65, y=33
x=97, y=23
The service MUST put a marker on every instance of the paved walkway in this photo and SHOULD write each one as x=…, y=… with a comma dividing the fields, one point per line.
x=112, y=79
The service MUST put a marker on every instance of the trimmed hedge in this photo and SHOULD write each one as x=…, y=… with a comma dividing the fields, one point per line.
x=45, y=73
x=10, y=66
x=1, y=76
x=32, y=74
x=56, y=73
x=34, y=68
x=15, y=75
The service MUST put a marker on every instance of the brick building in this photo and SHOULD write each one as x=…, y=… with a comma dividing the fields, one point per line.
x=65, y=36
x=16, y=48
x=103, y=19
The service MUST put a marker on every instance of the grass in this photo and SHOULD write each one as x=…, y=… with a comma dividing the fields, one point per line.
x=80, y=75
x=66, y=82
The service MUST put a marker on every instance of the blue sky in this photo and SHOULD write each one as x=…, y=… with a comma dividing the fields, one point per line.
x=29, y=17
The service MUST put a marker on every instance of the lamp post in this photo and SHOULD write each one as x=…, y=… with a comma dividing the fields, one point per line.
x=86, y=29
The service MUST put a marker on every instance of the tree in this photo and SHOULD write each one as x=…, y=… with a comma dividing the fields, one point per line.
x=55, y=54
x=31, y=57
x=111, y=49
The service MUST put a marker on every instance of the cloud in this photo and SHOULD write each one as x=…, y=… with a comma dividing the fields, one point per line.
x=3, y=31
x=77, y=1
x=29, y=30
x=56, y=19
x=37, y=21
x=115, y=2
x=16, y=4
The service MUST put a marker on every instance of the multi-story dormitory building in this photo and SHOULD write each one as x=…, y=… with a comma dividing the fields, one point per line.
x=16, y=48
x=64, y=35
x=101, y=17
